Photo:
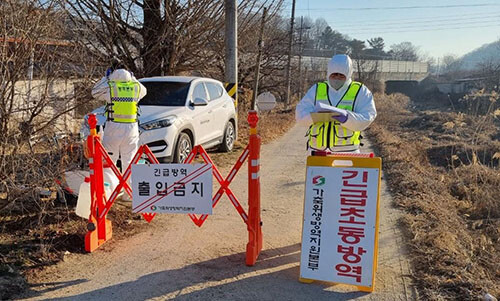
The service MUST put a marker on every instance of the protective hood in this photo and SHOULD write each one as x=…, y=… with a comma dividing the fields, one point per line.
x=120, y=75
x=340, y=63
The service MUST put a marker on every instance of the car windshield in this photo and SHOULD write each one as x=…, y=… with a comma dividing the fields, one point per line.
x=165, y=94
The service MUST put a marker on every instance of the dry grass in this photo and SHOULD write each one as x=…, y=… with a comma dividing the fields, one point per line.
x=30, y=242
x=442, y=170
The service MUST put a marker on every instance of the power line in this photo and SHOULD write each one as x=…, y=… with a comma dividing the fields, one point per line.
x=429, y=29
x=404, y=7
x=432, y=26
x=406, y=20
x=420, y=25
x=420, y=20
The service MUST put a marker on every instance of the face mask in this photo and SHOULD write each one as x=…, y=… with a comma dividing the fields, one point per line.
x=336, y=83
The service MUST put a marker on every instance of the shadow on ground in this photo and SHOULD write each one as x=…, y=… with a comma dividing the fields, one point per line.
x=221, y=278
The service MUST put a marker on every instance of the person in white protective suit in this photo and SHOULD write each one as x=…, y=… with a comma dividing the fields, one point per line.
x=350, y=103
x=121, y=91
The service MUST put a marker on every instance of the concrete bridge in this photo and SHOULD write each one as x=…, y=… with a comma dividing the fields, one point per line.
x=383, y=70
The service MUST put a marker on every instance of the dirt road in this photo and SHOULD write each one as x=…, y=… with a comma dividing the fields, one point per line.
x=174, y=259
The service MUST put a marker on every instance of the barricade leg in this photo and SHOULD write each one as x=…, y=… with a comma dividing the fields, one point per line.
x=104, y=230
x=99, y=229
x=254, y=224
x=91, y=238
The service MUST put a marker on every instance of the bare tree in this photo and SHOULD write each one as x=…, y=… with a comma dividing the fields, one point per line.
x=37, y=74
x=154, y=37
x=151, y=37
x=320, y=25
x=405, y=51
x=490, y=72
x=274, y=58
x=451, y=64
x=248, y=25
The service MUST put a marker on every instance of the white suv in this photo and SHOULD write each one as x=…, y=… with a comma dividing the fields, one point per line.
x=179, y=112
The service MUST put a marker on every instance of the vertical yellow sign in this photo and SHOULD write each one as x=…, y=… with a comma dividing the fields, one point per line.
x=341, y=220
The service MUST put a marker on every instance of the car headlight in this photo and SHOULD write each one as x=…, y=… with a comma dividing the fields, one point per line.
x=156, y=124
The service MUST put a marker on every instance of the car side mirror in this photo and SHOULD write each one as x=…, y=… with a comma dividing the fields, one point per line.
x=199, y=102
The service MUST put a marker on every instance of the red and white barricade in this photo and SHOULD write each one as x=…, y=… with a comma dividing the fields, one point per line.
x=100, y=228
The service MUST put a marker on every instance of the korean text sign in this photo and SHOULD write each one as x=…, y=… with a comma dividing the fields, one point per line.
x=339, y=230
x=172, y=188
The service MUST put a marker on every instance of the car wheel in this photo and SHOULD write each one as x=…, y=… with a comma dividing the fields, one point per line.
x=229, y=138
x=183, y=148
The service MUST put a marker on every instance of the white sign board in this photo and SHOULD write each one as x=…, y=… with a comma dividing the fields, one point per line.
x=338, y=238
x=172, y=188
x=266, y=101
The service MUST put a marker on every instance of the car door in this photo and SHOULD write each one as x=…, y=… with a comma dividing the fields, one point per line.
x=201, y=117
x=218, y=108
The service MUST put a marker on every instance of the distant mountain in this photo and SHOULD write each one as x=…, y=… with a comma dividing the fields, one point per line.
x=486, y=52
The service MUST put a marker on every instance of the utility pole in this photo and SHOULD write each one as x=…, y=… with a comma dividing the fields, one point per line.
x=301, y=29
x=290, y=42
x=301, y=49
x=30, y=74
x=259, y=54
x=231, y=69
x=437, y=71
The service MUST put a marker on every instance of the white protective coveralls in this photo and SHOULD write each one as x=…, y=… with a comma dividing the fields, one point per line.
x=119, y=138
x=364, y=111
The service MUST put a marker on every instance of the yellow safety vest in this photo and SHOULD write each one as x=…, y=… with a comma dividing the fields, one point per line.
x=124, y=98
x=328, y=135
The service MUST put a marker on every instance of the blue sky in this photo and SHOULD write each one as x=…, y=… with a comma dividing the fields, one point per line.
x=437, y=27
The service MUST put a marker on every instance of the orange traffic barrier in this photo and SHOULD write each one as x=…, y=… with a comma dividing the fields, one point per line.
x=252, y=219
x=254, y=223
x=99, y=228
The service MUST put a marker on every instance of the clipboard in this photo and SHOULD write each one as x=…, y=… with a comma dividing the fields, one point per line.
x=323, y=116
